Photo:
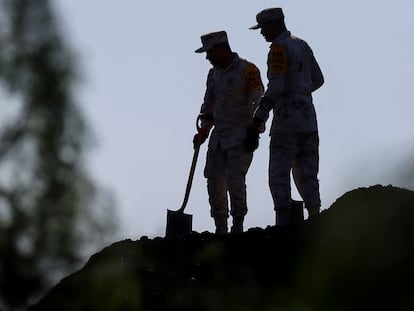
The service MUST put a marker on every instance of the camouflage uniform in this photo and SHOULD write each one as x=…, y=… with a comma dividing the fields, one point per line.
x=231, y=97
x=293, y=74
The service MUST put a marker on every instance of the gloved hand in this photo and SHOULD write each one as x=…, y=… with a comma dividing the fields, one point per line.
x=200, y=137
x=251, y=142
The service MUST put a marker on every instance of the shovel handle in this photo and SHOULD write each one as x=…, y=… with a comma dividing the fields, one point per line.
x=192, y=169
x=190, y=177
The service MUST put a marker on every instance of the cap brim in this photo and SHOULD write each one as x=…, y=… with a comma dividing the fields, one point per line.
x=200, y=50
x=255, y=27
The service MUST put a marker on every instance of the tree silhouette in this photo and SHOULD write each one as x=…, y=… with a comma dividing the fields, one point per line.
x=49, y=207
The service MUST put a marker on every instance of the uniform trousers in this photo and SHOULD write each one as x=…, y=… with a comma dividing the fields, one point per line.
x=297, y=153
x=226, y=171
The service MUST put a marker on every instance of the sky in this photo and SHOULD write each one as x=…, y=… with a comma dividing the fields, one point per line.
x=142, y=86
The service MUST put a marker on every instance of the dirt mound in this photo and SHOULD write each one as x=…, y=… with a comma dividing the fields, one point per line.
x=358, y=254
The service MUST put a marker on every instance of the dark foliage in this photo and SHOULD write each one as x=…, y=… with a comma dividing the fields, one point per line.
x=47, y=201
x=357, y=255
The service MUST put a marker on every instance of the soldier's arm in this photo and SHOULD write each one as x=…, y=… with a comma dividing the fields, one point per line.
x=206, y=111
x=317, y=76
x=277, y=69
x=254, y=84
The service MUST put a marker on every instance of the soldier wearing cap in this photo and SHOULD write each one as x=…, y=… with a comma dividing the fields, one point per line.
x=293, y=74
x=233, y=89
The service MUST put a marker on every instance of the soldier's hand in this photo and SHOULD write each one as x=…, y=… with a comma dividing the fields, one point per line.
x=200, y=137
x=251, y=142
x=261, y=128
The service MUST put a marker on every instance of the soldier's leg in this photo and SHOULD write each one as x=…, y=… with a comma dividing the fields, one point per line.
x=298, y=179
x=237, y=165
x=282, y=154
x=217, y=189
x=305, y=171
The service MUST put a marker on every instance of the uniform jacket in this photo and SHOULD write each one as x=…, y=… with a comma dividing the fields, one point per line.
x=231, y=97
x=293, y=75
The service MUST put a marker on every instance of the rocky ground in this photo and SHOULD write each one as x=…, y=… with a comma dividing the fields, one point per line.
x=356, y=255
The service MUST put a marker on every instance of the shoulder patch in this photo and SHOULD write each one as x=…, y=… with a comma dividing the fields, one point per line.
x=277, y=61
x=253, y=79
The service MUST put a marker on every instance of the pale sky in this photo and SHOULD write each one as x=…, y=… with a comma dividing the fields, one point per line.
x=143, y=86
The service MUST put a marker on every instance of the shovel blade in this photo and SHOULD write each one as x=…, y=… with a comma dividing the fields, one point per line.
x=178, y=224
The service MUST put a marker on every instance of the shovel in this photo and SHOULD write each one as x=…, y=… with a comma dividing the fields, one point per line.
x=179, y=224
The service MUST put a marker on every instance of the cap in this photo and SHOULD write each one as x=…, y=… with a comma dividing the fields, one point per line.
x=268, y=15
x=211, y=39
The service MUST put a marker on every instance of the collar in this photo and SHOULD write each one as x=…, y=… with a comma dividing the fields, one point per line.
x=281, y=36
x=234, y=62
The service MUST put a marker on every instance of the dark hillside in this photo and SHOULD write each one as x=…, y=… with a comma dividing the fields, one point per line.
x=357, y=255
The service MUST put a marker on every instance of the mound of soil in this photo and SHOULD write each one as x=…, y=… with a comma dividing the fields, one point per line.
x=356, y=255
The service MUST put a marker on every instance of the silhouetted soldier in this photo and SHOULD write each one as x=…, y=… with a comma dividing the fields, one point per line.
x=293, y=75
x=233, y=90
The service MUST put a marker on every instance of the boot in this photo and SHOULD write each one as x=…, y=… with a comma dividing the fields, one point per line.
x=297, y=212
x=237, y=224
x=283, y=216
x=221, y=225
x=313, y=211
